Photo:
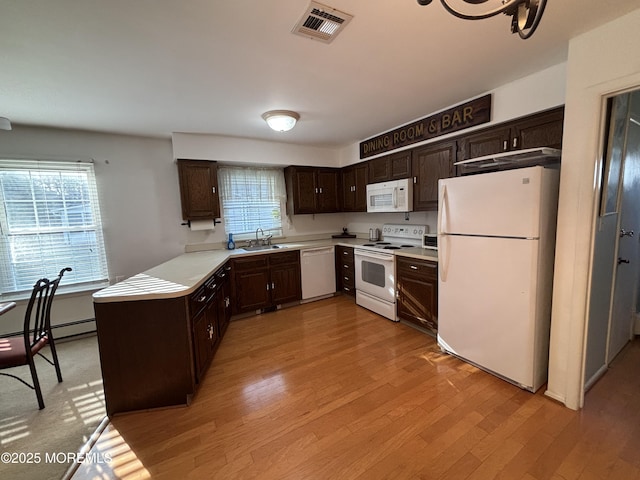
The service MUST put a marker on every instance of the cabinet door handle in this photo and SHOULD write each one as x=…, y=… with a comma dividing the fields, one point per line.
x=505, y=146
x=415, y=179
x=515, y=142
x=345, y=266
x=213, y=189
x=316, y=190
x=267, y=287
x=273, y=285
x=320, y=189
x=202, y=299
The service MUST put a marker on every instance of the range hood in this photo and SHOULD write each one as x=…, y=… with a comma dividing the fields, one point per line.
x=513, y=159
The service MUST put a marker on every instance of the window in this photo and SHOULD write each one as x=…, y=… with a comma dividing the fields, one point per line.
x=251, y=198
x=49, y=219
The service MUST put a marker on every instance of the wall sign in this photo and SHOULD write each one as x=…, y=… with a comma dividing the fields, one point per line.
x=465, y=115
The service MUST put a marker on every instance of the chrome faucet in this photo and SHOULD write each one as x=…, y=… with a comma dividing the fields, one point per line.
x=258, y=230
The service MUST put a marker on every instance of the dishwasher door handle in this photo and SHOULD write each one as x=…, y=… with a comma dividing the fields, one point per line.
x=316, y=251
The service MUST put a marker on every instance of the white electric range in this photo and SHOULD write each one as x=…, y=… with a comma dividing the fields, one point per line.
x=375, y=267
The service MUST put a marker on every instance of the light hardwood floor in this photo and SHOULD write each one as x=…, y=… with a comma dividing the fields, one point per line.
x=328, y=390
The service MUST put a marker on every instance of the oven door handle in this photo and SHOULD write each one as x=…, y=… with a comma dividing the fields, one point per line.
x=377, y=256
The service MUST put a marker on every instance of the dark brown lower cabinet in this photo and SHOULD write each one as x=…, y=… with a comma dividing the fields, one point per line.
x=153, y=353
x=417, y=286
x=345, y=270
x=264, y=281
x=146, y=354
x=209, y=308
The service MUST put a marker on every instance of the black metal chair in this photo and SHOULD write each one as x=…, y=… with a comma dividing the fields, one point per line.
x=21, y=349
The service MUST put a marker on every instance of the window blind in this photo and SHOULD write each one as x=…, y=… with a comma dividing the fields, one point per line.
x=49, y=219
x=251, y=198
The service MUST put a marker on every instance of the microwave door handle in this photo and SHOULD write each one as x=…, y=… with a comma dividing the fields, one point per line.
x=395, y=197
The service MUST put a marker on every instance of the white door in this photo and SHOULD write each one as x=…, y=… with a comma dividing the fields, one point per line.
x=506, y=203
x=626, y=275
x=486, y=304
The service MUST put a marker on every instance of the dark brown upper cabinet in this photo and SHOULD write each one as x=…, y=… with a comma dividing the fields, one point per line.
x=539, y=130
x=430, y=164
x=313, y=190
x=354, y=187
x=199, y=189
x=390, y=167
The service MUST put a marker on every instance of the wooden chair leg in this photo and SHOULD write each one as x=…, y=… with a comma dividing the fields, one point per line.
x=54, y=354
x=36, y=383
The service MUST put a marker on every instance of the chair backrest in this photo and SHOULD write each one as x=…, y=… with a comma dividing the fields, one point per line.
x=37, y=319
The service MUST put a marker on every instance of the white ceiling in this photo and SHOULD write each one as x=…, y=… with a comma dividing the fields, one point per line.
x=153, y=67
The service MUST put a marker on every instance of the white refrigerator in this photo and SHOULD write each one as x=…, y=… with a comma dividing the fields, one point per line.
x=496, y=242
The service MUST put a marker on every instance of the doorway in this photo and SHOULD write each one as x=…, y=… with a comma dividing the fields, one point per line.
x=616, y=259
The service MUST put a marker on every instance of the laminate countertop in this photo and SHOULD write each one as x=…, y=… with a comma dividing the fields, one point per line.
x=183, y=274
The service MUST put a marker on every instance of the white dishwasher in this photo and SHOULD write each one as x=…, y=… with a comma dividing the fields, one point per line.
x=318, y=271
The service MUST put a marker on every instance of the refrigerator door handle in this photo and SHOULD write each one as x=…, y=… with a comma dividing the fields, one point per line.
x=442, y=237
x=443, y=259
x=442, y=205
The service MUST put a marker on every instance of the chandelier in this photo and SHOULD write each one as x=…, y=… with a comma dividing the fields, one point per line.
x=525, y=14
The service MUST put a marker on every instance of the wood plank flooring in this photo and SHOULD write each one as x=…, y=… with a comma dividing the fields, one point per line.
x=328, y=390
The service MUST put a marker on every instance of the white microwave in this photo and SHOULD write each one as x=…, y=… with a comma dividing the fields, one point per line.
x=392, y=196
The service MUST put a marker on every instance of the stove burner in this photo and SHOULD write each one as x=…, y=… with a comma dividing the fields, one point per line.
x=383, y=243
x=390, y=247
x=369, y=245
x=407, y=246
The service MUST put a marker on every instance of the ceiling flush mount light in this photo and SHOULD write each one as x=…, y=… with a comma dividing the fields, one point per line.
x=525, y=14
x=281, y=120
x=5, y=124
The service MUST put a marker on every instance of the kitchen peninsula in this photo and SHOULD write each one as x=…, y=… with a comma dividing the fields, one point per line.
x=158, y=330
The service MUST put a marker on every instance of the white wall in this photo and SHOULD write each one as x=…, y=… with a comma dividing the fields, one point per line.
x=601, y=62
x=245, y=150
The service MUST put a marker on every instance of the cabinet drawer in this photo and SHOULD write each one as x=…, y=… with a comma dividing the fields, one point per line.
x=344, y=254
x=346, y=266
x=284, y=258
x=197, y=300
x=415, y=266
x=250, y=263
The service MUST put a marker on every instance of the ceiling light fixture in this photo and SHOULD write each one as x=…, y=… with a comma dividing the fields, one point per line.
x=5, y=124
x=281, y=120
x=525, y=14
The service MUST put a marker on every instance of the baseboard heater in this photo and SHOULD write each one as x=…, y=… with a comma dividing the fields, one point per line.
x=61, y=325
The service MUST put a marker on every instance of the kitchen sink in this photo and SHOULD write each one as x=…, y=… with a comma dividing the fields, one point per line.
x=255, y=248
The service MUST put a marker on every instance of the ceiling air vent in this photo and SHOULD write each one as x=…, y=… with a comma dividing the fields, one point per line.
x=321, y=22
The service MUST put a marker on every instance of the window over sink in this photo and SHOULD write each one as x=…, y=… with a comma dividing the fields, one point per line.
x=251, y=198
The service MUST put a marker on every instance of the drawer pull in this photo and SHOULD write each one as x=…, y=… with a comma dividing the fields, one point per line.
x=413, y=267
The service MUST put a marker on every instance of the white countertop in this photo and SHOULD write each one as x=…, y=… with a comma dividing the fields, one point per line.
x=182, y=275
